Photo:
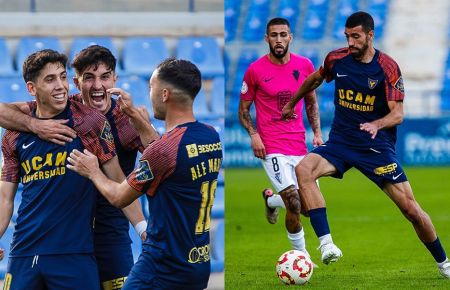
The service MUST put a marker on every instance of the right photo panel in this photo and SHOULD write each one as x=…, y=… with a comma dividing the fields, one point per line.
x=337, y=144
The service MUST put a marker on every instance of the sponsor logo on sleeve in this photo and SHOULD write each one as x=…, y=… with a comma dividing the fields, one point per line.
x=143, y=172
x=399, y=85
x=192, y=150
x=244, y=88
x=106, y=133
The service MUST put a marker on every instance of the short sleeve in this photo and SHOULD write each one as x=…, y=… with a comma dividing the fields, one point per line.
x=10, y=160
x=393, y=78
x=249, y=85
x=157, y=163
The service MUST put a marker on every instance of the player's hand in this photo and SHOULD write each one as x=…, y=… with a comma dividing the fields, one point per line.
x=317, y=140
x=370, y=128
x=2, y=254
x=125, y=101
x=258, y=147
x=85, y=163
x=55, y=131
x=287, y=112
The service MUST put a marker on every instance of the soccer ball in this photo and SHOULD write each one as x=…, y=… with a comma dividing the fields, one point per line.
x=294, y=267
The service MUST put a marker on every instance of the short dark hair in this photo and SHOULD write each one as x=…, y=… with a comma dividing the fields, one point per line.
x=35, y=62
x=92, y=56
x=360, y=18
x=181, y=74
x=277, y=21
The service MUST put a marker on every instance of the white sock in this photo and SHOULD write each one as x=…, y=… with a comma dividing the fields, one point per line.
x=298, y=240
x=275, y=201
x=325, y=239
x=442, y=263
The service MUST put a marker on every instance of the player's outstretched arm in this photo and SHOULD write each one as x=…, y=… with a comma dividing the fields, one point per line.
x=15, y=116
x=259, y=150
x=139, y=116
x=393, y=118
x=312, y=112
x=7, y=193
x=86, y=164
x=312, y=82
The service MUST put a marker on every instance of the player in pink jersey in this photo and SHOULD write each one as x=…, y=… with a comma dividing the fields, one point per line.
x=270, y=82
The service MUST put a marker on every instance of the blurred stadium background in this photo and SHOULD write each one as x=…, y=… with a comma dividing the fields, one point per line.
x=141, y=34
x=415, y=33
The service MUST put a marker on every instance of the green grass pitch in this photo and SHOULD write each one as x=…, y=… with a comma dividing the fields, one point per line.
x=380, y=247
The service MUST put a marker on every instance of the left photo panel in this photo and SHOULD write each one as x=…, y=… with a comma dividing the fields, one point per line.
x=112, y=127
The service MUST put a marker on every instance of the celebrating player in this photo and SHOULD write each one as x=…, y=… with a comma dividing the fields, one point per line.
x=368, y=108
x=178, y=173
x=270, y=83
x=95, y=75
x=53, y=247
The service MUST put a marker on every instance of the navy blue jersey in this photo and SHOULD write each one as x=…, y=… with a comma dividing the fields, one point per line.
x=111, y=225
x=362, y=92
x=178, y=173
x=56, y=212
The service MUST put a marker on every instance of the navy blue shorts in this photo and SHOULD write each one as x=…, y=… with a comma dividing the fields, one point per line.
x=379, y=164
x=114, y=264
x=71, y=271
x=145, y=276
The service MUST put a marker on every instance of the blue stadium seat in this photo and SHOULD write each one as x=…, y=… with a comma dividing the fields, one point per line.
x=218, y=209
x=5, y=243
x=314, y=24
x=379, y=19
x=136, y=243
x=312, y=54
x=218, y=247
x=325, y=95
x=141, y=55
x=289, y=10
x=13, y=89
x=204, y=52
x=344, y=9
x=201, y=108
x=6, y=61
x=246, y=57
x=319, y=6
x=29, y=44
x=218, y=97
x=231, y=14
x=379, y=5
x=219, y=125
x=82, y=42
x=255, y=25
x=138, y=88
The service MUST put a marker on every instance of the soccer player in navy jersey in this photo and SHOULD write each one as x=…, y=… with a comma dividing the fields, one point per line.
x=368, y=102
x=52, y=246
x=178, y=173
x=95, y=75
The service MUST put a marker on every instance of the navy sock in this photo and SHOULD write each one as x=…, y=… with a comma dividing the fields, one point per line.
x=319, y=222
x=436, y=250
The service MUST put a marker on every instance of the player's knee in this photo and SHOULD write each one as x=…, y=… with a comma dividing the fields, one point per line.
x=291, y=198
x=304, y=174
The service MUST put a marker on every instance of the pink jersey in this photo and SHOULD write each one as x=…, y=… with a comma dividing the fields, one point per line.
x=270, y=86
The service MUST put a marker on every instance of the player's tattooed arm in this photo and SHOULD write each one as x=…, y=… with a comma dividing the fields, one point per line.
x=312, y=112
x=259, y=150
x=246, y=118
x=312, y=82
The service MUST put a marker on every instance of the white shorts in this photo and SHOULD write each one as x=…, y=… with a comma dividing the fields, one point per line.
x=281, y=170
